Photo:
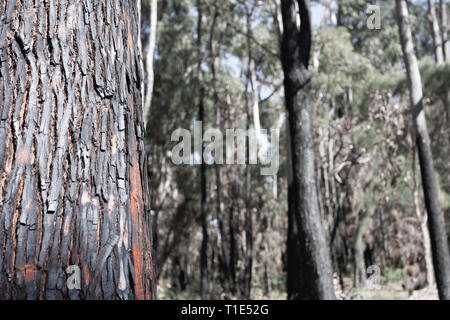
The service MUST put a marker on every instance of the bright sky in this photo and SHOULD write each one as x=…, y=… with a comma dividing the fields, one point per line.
x=317, y=11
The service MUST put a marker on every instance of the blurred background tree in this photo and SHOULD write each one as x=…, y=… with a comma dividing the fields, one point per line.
x=367, y=170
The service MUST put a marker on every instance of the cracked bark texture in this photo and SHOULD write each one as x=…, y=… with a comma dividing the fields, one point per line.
x=315, y=277
x=73, y=189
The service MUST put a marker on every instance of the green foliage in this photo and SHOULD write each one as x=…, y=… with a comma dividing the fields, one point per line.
x=435, y=79
x=341, y=68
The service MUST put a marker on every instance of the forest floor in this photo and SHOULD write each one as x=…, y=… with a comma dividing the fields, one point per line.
x=391, y=290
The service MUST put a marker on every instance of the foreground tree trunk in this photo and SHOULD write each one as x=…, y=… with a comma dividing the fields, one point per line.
x=436, y=223
x=315, y=272
x=73, y=189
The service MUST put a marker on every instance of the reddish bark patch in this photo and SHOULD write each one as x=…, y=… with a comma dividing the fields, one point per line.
x=29, y=272
x=136, y=221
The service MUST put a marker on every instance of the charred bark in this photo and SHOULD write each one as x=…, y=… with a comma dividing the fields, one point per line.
x=233, y=249
x=315, y=271
x=294, y=283
x=251, y=78
x=73, y=188
x=201, y=112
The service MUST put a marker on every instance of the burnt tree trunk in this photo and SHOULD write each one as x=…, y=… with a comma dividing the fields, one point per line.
x=233, y=250
x=254, y=100
x=214, y=63
x=436, y=222
x=73, y=189
x=315, y=271
x=293, y=283
x=201, y=114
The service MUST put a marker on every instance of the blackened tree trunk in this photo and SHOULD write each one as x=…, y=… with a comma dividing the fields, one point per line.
x=293, y=259
x=315, y=272
x=254, y=101
x=73, y=189
x=201, y=108
x=247, y=288
x=436, y=223
x=293, y=284
x=233, y=250
x=214, y=63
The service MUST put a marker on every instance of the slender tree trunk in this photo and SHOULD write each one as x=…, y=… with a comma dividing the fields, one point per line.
x=360, y=247
x=214, y=64
x=316, y=279
x=255, y=99
x=293, y=261
x=201, y=108
x=437, y=39
x=278, y=126
x=383, y=238
x=73, y=193
x=248, y=234
x=436, y=223
x=443, y=5
x=422, y=218
x=149, y=59
x=251, y=77
x=267, y=273
x=276, y=13
x=231, y=235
